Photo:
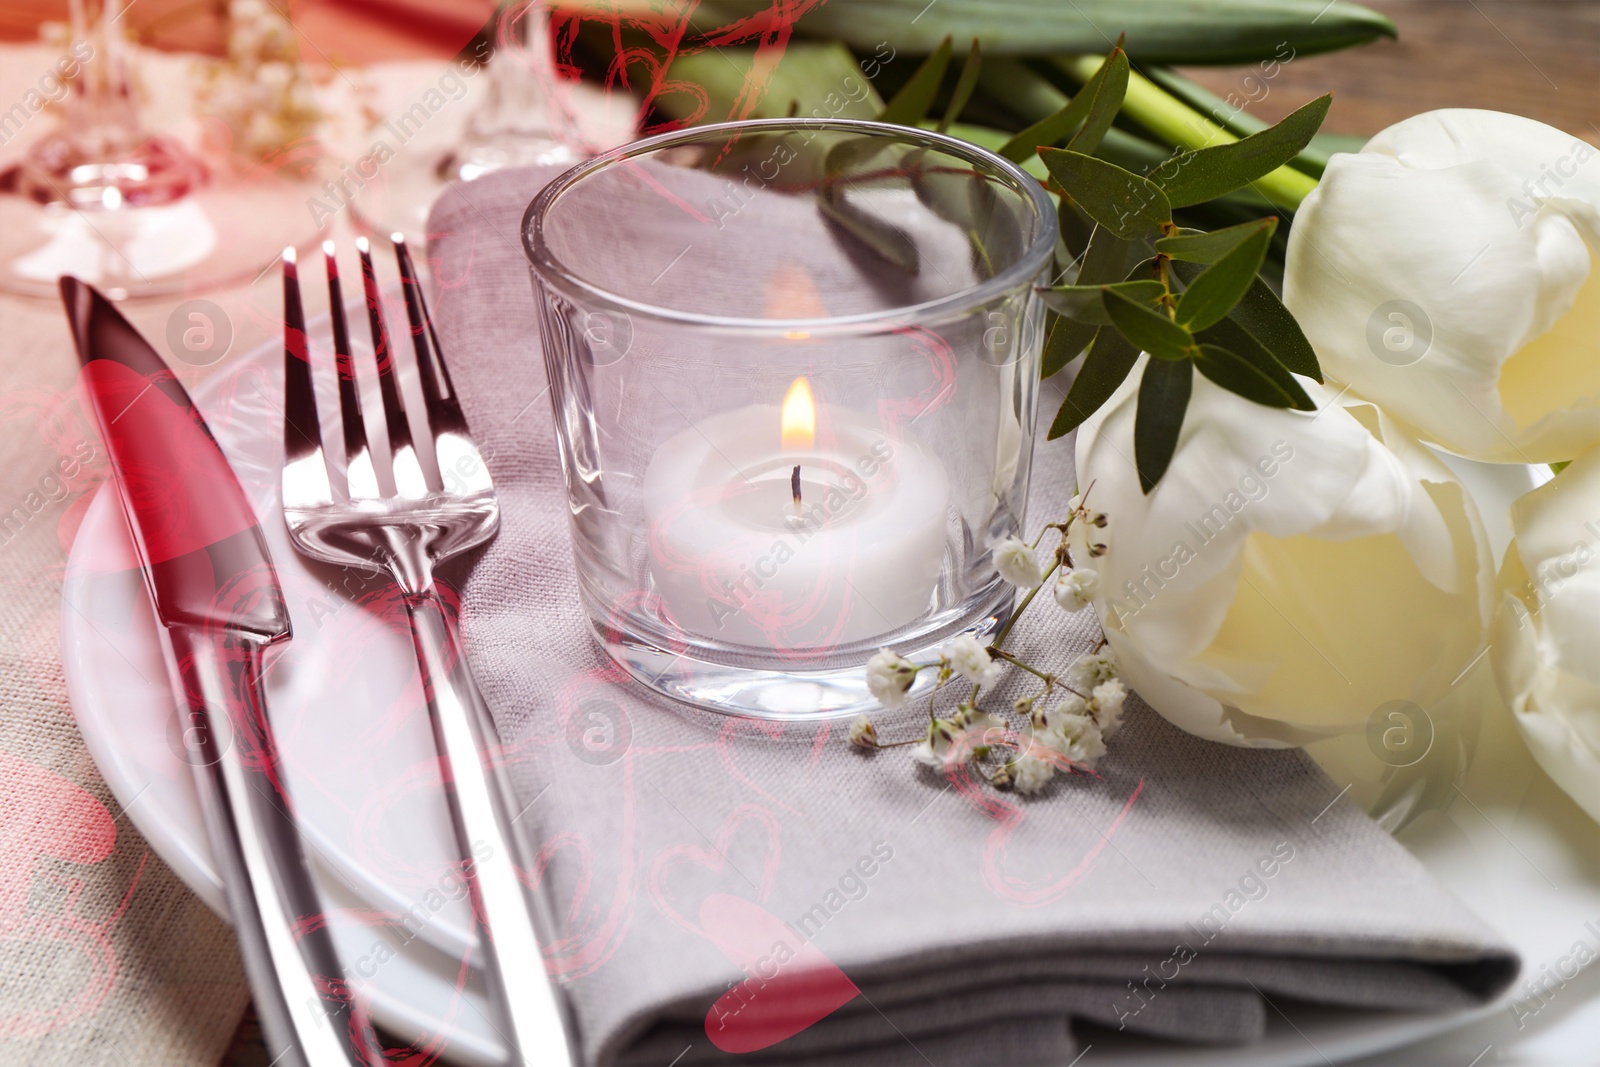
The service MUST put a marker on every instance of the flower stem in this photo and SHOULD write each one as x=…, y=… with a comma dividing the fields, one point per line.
x=1005, y=631
x=1176, y=122
x=1047, y=679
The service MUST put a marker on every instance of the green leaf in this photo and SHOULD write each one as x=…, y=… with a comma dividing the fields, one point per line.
x=911, y=103
x=877, y=234
x=1086, y=117
x=1195, y=246
x=1198, y=176
x=821, y=78
x=1212, y=295
x=1230, y=113
x=1269, y=322
x=964, y=87
x=1236, y=374
x=1107, y=102
x=1236, y=339
x=1124, y=203
x=1105, y=368
x=1163, y=399
x=1064, y=343
x=1084, y=303
x=1185, y=32
x=1147, y=328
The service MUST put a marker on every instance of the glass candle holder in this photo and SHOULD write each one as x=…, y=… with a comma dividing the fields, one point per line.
x=794, y=370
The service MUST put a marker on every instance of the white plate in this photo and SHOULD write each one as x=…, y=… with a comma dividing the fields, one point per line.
x=362, y=772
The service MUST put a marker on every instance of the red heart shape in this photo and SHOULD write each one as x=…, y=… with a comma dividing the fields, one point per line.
x=789, y=983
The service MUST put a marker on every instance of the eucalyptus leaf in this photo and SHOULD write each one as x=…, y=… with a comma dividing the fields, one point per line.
x=1149, y=329
x=1195, y=246
x=1230, y=113
x=1084, y=119
x=1083, y=303
x=1110, y=359
x=911, y=104
x=1122, y=202
x=1163, y=398
x=877, y=234
x=962, y=93
x=1207, y=173
x=1261, y=313
x=1158, y=31
x=1238, y=375
x=1236, y=339
x=1064, y=343
x=1220, y=286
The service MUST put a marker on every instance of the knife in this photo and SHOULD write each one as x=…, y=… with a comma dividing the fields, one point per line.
x=220, y=609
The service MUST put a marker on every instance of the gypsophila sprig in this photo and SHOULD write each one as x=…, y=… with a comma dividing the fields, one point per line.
x=1064, y=724
x=889, y=678
x=1074, y=589
x=1017, y=564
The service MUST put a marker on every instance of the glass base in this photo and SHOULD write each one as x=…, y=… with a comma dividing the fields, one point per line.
x=731, y=685
x=218, y=232
x=402, y=201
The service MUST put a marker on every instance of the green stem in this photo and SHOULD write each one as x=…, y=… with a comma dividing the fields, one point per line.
x=1047, y=679
x=1005, y=631
x=1177, y=123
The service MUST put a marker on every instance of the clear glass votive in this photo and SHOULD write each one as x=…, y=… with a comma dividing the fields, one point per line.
x=794, y=370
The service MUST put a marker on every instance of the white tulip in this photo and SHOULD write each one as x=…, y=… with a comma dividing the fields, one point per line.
x=1447, y=272
x=1291, y=572
x=1547, y=630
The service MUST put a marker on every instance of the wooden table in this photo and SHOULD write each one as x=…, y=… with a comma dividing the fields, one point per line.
x=1539, y=58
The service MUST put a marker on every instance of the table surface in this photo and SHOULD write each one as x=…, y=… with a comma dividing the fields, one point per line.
x=1534, y=57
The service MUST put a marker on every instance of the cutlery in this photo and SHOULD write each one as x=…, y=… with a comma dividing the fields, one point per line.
x=411, y=516
x=220, y=609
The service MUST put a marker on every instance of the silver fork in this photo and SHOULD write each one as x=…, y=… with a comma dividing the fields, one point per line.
x=428, y=516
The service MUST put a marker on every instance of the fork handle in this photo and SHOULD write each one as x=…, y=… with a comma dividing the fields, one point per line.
x=481, y=808
x=307, y=1013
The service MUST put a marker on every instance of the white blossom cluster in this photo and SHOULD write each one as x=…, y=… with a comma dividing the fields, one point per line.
x=1066, y=726
x=261, y=92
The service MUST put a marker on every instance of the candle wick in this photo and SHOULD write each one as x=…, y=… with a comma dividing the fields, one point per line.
x=794, y=487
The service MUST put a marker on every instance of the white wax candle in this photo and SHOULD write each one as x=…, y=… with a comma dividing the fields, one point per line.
x=733, y=561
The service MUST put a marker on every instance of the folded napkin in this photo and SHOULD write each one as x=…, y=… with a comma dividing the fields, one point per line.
x=732, y=889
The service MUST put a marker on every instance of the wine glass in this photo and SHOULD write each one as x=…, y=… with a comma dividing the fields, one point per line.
x=133, y=212
x=525, y=119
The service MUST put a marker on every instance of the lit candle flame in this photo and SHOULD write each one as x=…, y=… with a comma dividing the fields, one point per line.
x=799, y=418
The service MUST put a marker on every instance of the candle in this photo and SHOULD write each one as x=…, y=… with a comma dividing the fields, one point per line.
x=766, y=533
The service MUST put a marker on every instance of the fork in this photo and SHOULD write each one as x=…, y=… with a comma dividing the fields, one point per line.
x=417, y=520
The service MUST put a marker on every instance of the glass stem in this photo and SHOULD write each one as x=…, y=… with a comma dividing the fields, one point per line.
x=101, y=115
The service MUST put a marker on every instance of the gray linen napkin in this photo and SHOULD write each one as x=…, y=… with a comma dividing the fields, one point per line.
x=1171, y=894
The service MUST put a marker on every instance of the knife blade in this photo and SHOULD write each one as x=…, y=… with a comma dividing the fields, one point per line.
x=221, y=609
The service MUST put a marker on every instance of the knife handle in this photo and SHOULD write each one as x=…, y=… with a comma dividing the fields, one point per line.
x=481, y=808
x=307, y=1014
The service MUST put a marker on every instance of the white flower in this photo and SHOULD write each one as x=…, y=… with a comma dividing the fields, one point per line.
x=1107, y=700
x=862, y=733
x=975, y=724
x=1446, y=272
x=1084, y=741
x=1291, y=573
x=1030, y=772
x=1075, y=588
x=1016, y=563
x=889, y=678
x=1070, y=705
x=1547, y=629
x=943, y=746
x=1076, y=737
x=1089, y=671
x=971, y=660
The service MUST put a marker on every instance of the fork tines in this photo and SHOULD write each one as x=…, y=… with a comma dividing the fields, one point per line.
x=302, y=428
